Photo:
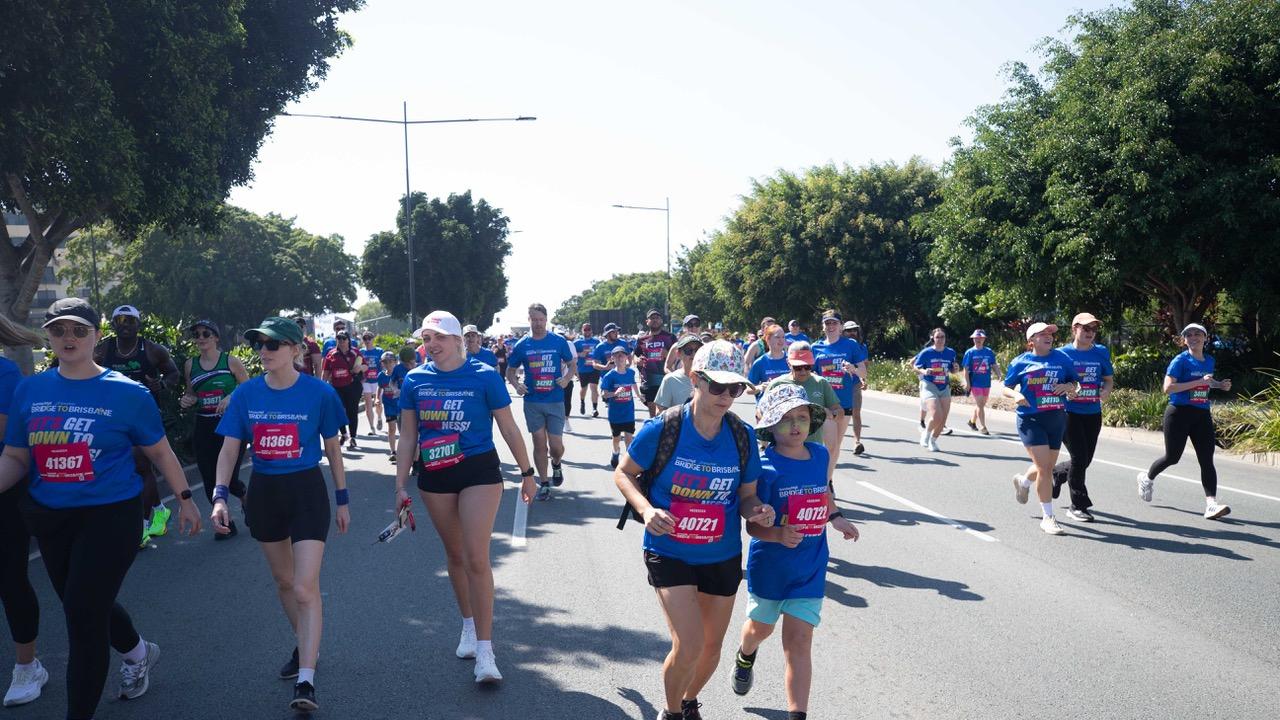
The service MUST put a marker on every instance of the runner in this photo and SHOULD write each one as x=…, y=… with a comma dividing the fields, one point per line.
x=979, y=364
x=1037, y=380
x=787, y=563
x=585, y=346
x=549, y=366
x=795, y=333
x=677, y=386
x=343, y=368
x=291, y=419
x=652, y=348
x=339, y=326
x=693, y=547
x=934, y=365
x=459, y=476
x=475, y=347
x=800, y=360
x=758, y=346
x=619, y=386
x=601, y=356
x=21, y=607
x=73, y=430
x=1187, y=382
x=372, y=357
x=1084, y=414
x=390, y=378
x=312, y=356
x=210, y=378
x=692, y=325
x=770, y=365
x=147, y=363
x=843, y=364
x=854, y=333
x=500, y=352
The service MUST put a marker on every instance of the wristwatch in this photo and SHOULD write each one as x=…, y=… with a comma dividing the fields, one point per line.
x=185, y=494
x=527, y=473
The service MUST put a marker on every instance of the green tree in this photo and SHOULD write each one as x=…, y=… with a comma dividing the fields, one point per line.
x=459, y=249
x=382, y=320
x=632, y=293
x=142, y=112
x=1139, y=165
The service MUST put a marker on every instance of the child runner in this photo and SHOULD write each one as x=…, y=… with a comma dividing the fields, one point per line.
x=619, y=389
x=978, y=364
x=388, y=391
x=787, y=563
x=772, y=363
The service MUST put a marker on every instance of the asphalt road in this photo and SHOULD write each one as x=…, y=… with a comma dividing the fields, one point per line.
x=952, y=605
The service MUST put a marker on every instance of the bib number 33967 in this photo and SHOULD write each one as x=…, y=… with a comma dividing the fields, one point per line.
x=64, y=463
x=697, y=523
x=277, y=441
x=441, y=452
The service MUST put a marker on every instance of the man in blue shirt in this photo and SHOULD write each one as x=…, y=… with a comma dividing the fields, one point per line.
x=585, y=346
x=475, y=348
x=794, y=333
x=549, y=367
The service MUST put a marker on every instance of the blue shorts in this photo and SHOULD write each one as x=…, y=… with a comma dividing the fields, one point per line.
x=544, y=415
x=1045, y=428
x=766, y=611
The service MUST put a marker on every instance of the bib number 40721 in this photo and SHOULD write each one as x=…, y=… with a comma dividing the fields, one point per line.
x=697, y=523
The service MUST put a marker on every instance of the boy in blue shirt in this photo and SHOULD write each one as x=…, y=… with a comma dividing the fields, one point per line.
x=618, y=386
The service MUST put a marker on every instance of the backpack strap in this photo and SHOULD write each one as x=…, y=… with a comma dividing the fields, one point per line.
x=742, y=439
x=668, y=438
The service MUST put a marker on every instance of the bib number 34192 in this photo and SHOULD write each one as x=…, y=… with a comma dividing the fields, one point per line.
x=697, y=523
x=277, y=441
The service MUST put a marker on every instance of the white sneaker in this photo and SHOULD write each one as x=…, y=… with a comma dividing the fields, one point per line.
x=1050, y=525
x=933, y=444
x=486, y=668
x=1211, y=512
x=26, y=684
x=924, y=438
x=1020, y=492
x=1145, y=486
x=135, y=677
x=467, y=644
x=567, y=426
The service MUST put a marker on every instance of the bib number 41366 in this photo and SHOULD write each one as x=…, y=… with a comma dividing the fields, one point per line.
x=277, y=441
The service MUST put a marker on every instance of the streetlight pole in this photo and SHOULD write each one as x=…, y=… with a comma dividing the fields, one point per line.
x=666, y=208
x=405, y=122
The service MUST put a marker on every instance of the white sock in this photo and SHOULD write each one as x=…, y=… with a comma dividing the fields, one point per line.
x=484, y=646
x=158, y=507
x=469, y=625
x=26, y=666
x=1024, y=481
x=1047, y=508
x=307, y=675
x=1211, y=500
x=138, y=653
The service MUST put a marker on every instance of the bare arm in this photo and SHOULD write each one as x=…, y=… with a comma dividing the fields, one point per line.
x=238, y=370
x=511, y=435
x=333, y=452
x=161, y=455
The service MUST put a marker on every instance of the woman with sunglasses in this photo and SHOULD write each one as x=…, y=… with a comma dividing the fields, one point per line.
x=843, y=364
x=934, y=365
x=211, y=376
x=978, y=364
x=1084, y=413
x=771, y=364
x=692, y=516
x=801, y=362
x=291, y=419
x=73, y=431
x=447, y=410
x=343, y=369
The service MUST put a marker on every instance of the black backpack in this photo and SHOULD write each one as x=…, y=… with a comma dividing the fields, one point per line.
x=672, y=419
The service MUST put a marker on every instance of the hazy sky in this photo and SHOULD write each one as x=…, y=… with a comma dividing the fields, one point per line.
x=635, y=102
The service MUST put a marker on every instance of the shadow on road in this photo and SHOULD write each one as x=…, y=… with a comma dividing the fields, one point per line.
x=886, y=577
x=766, y=713
x=1097, y=531
x=866, y=512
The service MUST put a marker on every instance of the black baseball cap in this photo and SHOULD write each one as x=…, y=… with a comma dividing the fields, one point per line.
x=74, y=309
x=653, y=312
x=213, y=328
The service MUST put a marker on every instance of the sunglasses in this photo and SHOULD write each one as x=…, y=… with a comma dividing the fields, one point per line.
x=734, y=390
x=805, y=368
x=689, y=350
x=80, y=331
x=202, y=334
x=272, y=345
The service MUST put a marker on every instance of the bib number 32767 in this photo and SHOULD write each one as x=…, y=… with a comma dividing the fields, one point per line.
x=277, y=441
x=64, y=463
x=697, y=523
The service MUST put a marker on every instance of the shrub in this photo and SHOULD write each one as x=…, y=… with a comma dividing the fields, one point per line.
x=1254, y=426
x=1132, y=408
x=892, y=376
x=1142, y=367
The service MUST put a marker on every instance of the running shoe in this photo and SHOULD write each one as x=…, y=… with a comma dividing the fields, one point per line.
x=947, y=431
x=544, y=492
x=231, y=525
x=567, y=427
x=159, y=521
x=26, y=685
x=859, y=450
x=486, y=667
x=1213, y=511
x=924, y=438
x=393, y=458
x=743, y=675
x=466, y=643
x=1050, y=525
x=1145, y=486
x=351, y=444
x=973, y=426
x=304, y=697
x=379, y=423
x=595, y=413
x=689, y=709
x=146, y=536
x=1020, y=492
x=933, y=444
x=1080, y=514
x=557, y=475
x=613, y=461
x=289, y=670
x=135, y=678
x=985, y=431
x=582, y=408
x=921, y=423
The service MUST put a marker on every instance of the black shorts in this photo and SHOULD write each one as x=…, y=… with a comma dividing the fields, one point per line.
x=618, y=428
x=293, y=506
x=649, y=392
x=720, y=578
x=590, y=377
x=848, y=412
x=482, y=469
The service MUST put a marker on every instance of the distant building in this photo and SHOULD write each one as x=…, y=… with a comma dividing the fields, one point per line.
x=51, y=288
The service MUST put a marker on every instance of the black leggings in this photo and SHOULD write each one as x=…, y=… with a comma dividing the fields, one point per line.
x=87, y=552
x=1081, y=439
x=1182, y=422
x=568, y=398
x=207, y=444
x=21, y=608
x=350, y=395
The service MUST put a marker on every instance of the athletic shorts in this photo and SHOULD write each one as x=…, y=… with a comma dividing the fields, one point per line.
x=930, y=391
x=766, y=611
x=649, y=392
x=720, y=578
x=390, y=414
x=618, y=428
x=369, y=388
x=1045, y=428
x=482, y=469
x=590, y=377
x=980, y=392
x=848, y=412
x=544, y=415
x=293, y=506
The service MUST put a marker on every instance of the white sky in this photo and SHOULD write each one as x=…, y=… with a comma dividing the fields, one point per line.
x=635, y=102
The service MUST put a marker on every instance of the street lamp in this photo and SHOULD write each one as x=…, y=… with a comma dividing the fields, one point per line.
x=405, y=122
x=665, y=209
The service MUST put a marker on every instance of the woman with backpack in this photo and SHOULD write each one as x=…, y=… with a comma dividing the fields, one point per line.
x=691, y=475
x=343, y=368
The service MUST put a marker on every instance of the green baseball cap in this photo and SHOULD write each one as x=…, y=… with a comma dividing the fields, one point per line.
x=277, y=328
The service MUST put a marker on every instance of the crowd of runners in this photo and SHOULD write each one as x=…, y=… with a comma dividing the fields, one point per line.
x=84, y=445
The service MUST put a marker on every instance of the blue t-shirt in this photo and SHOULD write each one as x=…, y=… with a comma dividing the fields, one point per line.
x=391, y=383
x=622, y=406
x=285, y=428
x=486, y=356
x=979, y=363
x=937, y=362
x=81, y=434
x=372, y=361
x=830, y=358
x=1092, y=366
x=541, y=360
x=585, y=347
x=799, y=488
x=765, y=369
x=702, y=478
x=798, y=337
x=328, y=345
x=1035, y=376
x=454, y=409
x=10, y=376
x=605, y=349
x=1185, y=368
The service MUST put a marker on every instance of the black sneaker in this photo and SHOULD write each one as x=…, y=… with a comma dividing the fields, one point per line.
x=289, y=670
x=231, y=525
x=921, y=423
x=947, y=431
x=1080, y=514
x=304, y=698
x=595, y=413
x=973, y=425
x=544, y=492
x=859, y=450
x=557, y=476
x=582, y=409
x=742, y=677
x=613, y=461
x=689, y=709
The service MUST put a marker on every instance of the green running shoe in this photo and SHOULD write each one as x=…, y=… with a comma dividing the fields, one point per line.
x=159, y=521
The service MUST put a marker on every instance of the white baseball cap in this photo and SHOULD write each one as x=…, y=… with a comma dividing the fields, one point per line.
x=129, y=310
x=441, y=321
x=978, y=334
x=1037, y=328
x=1194, y=326
x=470, y=329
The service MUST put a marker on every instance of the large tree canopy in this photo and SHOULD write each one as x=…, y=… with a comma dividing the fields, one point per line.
x=459, y=249
x=1140, y=165
x=142, y=112
x=632, y=293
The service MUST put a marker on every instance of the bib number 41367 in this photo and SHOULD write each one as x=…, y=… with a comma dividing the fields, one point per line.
x=64, y=463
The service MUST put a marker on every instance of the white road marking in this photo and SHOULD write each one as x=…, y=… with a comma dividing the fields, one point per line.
x=521, y=524
x=920, y=508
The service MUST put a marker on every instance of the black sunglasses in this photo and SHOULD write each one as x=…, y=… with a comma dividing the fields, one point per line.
x=80, y=331
x=689, y=350
x=806, y=368
x=272, y=345
x=734, y=390
x=202, y=334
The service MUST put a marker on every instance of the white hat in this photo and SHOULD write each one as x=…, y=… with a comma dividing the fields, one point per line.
x=850, y=325
x=1194, y=326
x=978, y=334
x=129, y=310
x=720, y=361
x=1037, y=328
x=467, y=330
x=442, y=322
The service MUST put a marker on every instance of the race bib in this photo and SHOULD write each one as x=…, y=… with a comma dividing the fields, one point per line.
x=980, y=367
x=341, y=373
x=833, y=372
x=807, y=513
x=64, y=462
x=371, y=374
x=1200, y=395
x=1046, y=400
x=209, y=400
x=543, y=382
x=277, y=441
x=938, y=371
x=623, y=394
x=1088, y=393
x=697, y=523
x=441, y=452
